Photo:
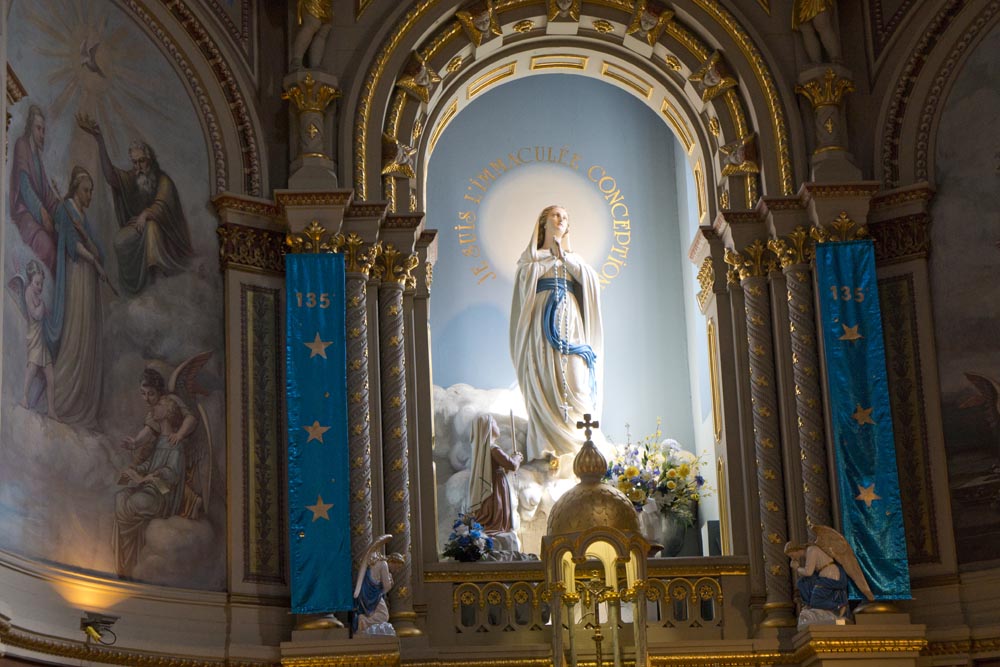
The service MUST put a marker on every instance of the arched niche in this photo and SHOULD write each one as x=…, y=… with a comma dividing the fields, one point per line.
x=666, y=69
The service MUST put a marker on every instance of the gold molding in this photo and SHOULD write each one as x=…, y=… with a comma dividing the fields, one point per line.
x=251, y=249
x=841, y=646
x=712, y=8
x=628, y=78
x=713, y=376
x=559, y=61
x=387, y=659
x=755, y=659
x=71, y=650
x=442, y=123
x=699, y=183
x=359, y=7
x=477, y=574
x=486, y=80
x=299, y=198
x=676, y=121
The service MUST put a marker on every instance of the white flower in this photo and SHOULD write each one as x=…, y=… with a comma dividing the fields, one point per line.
x=462, y=530
x=481, y=544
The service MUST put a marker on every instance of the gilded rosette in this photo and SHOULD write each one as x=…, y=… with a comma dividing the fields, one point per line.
x=310, y=98
x=358, y=416
x=828, y=92
x=393, y=266
x=770, y=479
x=841, y=229
x=314, y=238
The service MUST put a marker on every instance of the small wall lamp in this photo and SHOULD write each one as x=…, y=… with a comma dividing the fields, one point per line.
x=97, y=627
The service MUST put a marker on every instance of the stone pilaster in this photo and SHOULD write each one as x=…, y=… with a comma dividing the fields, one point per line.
x=795, y=251
x=311, y=94
x=394, y=269
x=753, y=264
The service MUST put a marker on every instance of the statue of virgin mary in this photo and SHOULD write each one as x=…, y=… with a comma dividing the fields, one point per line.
x=556, y=338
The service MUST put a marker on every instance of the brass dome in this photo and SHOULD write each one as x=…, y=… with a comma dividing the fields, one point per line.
x=591, y=504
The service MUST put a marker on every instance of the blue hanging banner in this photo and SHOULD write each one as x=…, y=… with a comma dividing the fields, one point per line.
x=860, y=416
x=316, y=401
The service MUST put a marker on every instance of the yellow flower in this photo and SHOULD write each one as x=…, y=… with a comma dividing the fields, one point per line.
x=694, y=497
x=635, y=494
x=684, y=470
x=671, y=484
x=631, y=472
x=671, y=473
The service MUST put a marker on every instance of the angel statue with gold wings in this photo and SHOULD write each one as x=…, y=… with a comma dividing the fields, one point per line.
x=171, y=469
x=822, y=580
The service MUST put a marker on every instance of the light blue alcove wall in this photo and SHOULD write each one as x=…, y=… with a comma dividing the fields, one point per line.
x=600, y=132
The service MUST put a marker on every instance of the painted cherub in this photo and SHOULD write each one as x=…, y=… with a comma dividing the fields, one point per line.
x=38, y=355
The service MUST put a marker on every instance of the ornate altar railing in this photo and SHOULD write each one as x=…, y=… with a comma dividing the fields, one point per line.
x=493, y=603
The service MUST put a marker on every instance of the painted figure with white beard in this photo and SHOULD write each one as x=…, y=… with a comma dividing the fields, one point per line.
x=153, y=237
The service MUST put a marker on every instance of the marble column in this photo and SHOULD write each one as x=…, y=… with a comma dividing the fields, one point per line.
x=795, y=251
x=394, y=269
x=754, y=263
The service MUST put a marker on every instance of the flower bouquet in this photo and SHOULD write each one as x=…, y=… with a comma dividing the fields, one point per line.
x=467, y=542
x=658, y=475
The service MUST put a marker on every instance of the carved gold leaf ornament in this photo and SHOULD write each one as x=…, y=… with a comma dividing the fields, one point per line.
x=828, y=92
x=755, y=261
x=359, y=257
x=523, y=26
x=395, y=267
x=796, y=248
x=842, y=228
x=308, y=98
x=706, y=278
x=454, y=65
x=314, y=238
x=648, y=21
x=673, y=62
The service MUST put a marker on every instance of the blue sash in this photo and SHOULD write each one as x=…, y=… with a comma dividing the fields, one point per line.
x=557, y=289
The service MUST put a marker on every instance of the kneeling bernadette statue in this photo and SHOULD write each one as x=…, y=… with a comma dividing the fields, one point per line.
x=556, y=337
x=822, y=579
x=374, y=581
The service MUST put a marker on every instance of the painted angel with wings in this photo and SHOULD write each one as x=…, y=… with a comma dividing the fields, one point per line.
x=822, y=579
x=171, y=471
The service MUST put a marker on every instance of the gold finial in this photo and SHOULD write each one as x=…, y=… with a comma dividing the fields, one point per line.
x=314, y=238
x=793, y=249
x=841, y=229
x=394, y=267
x=308, y=98
x=828, y=93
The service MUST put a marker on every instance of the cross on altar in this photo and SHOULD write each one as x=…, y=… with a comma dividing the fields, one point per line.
x=587, y=424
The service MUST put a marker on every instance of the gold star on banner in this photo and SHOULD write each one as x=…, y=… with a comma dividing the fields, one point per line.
x=851, y=333
x=320, y=509
x=316, y=431
x=867, y=495
x=863, y=416
x=318, y=347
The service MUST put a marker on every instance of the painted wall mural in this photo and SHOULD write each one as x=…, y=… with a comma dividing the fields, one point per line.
x=112, y=438
x=966, y=234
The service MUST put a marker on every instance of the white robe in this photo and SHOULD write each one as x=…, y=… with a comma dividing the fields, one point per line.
x=539, y=366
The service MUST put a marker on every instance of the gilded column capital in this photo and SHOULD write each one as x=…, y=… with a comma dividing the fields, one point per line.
x=308, y=97
x=796, y=248
x=359, y=257
x=393, y=266
x=829, y=91
x=841, y=229
x=314, y=238
x=755, y=261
